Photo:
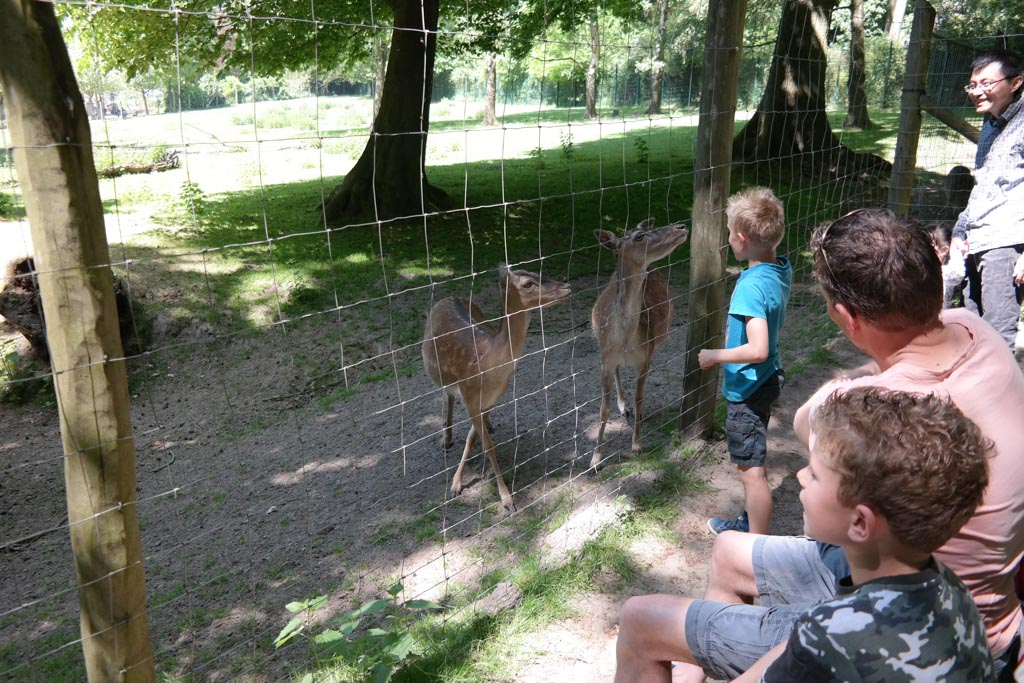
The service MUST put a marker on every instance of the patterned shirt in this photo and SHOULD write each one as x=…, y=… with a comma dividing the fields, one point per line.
x=994, y=216
x=915, y=627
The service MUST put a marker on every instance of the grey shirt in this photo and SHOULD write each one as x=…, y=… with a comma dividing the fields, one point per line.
x=994, y=216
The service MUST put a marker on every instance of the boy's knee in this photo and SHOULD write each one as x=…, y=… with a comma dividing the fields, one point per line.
x=753, y=475
x=732, y=564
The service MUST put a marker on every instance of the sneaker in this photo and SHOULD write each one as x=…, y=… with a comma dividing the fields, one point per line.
x=718, y=525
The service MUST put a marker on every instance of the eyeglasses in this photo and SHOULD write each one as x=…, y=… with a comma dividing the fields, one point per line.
x=985, y=86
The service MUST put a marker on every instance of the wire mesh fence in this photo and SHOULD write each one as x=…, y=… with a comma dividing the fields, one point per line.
x=288, y=438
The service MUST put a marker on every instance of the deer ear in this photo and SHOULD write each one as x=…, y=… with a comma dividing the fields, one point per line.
x=606, y=239
x=503, y=272
x=646, y=225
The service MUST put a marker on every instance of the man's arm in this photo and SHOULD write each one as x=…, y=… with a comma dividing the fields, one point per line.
x=754, y=351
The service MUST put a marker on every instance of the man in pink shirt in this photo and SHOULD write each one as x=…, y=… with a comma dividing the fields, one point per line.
x=883, y=286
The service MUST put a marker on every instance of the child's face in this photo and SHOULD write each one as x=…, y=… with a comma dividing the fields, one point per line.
x=825, y=518
x=739, y=243
x=941, y=250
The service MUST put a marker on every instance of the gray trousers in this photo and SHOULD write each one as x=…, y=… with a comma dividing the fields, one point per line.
x=991, y=292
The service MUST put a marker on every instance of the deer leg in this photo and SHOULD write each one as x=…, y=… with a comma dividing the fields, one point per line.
x=488, y=445
x=490, y=430
x=620, y=395
x=457, y=479
x=638, y=400
x=606, y=399
x=446, y=440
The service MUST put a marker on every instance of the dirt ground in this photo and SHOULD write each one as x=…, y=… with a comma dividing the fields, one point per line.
x=255, y=490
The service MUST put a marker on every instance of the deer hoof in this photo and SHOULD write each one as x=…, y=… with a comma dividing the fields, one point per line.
x=456, y=488
x=596, y=463
x=509, y=508
x=636, y=448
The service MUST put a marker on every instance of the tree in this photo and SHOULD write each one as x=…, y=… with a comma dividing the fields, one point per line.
x=52, y=146
x=658, y=61
x=857, y=97
x=590, y=110
x=390, y=176
x=790, y=121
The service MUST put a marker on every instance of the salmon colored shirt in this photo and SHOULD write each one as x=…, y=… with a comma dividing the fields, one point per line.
x=987, y=386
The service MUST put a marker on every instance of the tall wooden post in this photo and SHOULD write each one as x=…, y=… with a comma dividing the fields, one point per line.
x=53, y=157
x=712, y=171
x=901, y=182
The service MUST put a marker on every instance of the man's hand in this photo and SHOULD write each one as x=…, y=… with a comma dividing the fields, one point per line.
x=1018, y=271
x=707, y=358
x=959, y=245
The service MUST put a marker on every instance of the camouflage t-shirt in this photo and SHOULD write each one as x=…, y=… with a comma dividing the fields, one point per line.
x=914, y=627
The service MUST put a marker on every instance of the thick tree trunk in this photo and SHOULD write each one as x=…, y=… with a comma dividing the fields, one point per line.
x=379, y=73
x=857, y=96
x=790, y=123
x=595, y=57
x=658, y=63
x=490, y=113
x=389, y=180
x=53, y=156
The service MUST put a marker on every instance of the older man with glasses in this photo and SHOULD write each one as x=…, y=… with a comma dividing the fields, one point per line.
x=990, y=231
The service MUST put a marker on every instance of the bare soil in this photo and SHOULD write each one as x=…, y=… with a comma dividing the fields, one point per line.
x=258, y=486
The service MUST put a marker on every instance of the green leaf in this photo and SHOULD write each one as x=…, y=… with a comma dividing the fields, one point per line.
x=402, y=648
x=308, y=678
x=348, y=626
x=296, y=606
x=328, y=637
x=376, y=632
x=291, y=629
x=380, y=673
x=374, y=606
x=423, y=604
x=317, y=602
x=395, y=589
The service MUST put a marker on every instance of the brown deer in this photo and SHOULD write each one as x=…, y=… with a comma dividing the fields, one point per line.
x=632, y=316
x=464, y=354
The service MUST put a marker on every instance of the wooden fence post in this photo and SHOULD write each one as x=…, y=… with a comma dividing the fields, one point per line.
x=53, y=156
x=901, y=182
x=712, y=171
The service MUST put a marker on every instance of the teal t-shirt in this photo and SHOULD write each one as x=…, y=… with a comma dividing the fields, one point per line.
x=761, y=292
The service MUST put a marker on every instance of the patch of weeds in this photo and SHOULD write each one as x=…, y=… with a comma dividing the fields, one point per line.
x=163, y=597
x=275, y=571
x=23, y=380
x=326, y=403
x=193, y=198
x=217, y=498
x=642, y=150
x=537, y=154
x=286, y=521
x=371, y=640
x=7, y=207
x=568, y=146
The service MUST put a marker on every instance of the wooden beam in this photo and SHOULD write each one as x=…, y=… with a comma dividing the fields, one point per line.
x=52, y=147
x=950, y=118
x=712, y=174
x=904, y=166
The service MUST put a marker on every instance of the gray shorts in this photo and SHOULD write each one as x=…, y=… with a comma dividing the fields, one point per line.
x=726, y=639
x=746, y=423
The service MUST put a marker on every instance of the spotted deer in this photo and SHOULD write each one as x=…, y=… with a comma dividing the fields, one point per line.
x=631, y=317
x=467, y=356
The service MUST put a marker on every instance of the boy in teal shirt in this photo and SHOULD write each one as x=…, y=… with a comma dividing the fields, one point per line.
x=752, y=368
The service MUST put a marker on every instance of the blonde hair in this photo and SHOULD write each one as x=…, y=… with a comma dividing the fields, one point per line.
x=758, y=214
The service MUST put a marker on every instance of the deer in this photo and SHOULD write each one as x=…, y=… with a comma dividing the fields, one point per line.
x=632, y=316
x=465, y=355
